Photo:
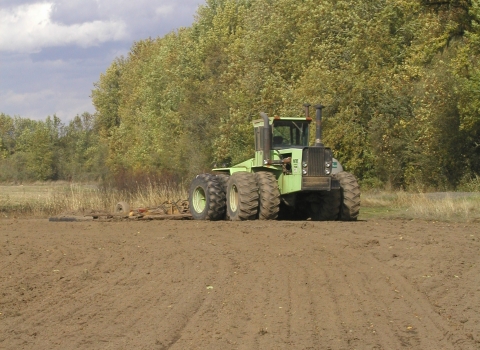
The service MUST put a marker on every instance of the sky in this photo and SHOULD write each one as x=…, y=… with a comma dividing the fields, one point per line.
x=53, y=51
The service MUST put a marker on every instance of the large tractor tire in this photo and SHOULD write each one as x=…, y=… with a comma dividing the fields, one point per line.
x=269, y=195
x=326, y=207
x=242, y=196
x=223, y=178
x=350, y=196
x=207, y=198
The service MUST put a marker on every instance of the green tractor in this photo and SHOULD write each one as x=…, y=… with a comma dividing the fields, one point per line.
x=286, y=180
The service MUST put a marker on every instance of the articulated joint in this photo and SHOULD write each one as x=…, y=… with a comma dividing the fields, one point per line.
x=277, y=162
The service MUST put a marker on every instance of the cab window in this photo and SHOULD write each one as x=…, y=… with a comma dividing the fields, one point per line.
x=289, y=133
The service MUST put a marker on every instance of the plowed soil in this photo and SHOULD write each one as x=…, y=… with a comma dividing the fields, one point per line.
x=377, y=284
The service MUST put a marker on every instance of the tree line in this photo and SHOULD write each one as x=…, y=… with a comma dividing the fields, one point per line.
x=400, y=80
x=32, y=150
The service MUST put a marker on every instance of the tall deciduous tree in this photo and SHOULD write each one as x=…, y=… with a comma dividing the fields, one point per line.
x=399, y=79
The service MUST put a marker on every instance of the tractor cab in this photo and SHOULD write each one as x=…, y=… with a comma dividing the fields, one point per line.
x=284, y=133
x=290, y=134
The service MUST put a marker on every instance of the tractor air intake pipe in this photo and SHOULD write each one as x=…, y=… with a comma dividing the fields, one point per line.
x=318, y=133
x=307, y=110
x=266, y=138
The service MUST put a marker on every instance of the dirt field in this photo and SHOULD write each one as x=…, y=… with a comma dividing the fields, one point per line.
x=377, y=284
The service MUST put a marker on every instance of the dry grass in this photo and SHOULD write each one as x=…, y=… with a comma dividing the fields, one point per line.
x=41, y=200
x=449, y=206
x=48, y=199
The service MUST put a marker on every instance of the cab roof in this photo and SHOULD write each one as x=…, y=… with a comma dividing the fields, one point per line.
x=259, y=122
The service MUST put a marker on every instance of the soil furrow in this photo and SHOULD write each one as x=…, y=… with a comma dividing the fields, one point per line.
x=379, y=284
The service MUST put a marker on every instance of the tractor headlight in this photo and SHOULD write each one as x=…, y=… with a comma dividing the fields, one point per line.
x=327, y=171
x=304, y=164
x=304, y=171
x=328, y=164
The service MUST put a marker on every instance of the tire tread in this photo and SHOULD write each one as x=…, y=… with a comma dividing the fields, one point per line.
x=247, y=196
x=269, y=195
x=215, y=197
x=350, y=196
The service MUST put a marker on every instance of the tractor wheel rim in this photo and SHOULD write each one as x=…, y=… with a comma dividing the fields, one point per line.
x=199, y=200
x=233, y=200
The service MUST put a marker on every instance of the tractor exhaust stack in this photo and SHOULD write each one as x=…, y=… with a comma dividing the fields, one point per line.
x=266, y=138
x=318, y=132
x=307, y=110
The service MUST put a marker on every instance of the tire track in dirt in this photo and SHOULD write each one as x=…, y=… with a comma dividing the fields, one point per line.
x=247, y=285
x=227, y=309
x=405, y=306
x=394, y=319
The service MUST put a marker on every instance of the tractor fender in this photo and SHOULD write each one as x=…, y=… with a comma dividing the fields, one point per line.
x=336, y=166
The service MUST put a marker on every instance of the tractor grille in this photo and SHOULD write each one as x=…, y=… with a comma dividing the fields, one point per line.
x=315, y=158
x=318, y=183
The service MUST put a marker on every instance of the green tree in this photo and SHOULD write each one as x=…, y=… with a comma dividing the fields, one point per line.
x=399, y=80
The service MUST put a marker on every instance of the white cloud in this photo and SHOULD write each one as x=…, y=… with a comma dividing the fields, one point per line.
x=164, y=10
x=52, y=51
x=29, y=28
